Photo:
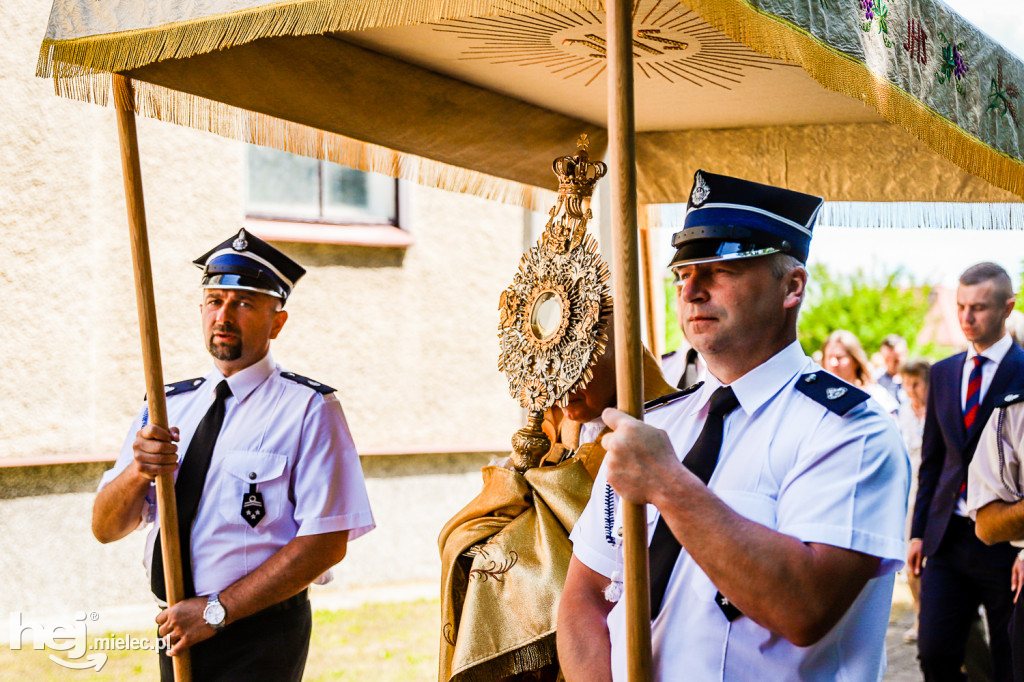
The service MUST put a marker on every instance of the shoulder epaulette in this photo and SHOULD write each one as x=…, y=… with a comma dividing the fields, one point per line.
x=669, y=354
x=1009, y=399
x=830, y=391
x=184, y=386
x=181, y=387
x=671, y=397
x=306, y=381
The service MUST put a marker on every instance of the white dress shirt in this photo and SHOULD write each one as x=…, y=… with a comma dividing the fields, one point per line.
x=792, y=465
x=589, y=431
x=994, y=354
x=912, y=431
x=289, y=441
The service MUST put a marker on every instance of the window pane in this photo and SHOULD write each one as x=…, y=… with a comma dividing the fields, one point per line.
x=356, y=197
x=282, y=185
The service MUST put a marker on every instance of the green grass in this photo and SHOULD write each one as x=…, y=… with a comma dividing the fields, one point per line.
x=386, y=642
x=381, y=642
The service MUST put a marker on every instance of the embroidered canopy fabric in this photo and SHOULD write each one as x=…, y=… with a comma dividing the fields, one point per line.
x=479, y=95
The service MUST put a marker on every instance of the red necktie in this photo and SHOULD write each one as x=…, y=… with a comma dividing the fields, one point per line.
x=971, y=406
x=973, y=392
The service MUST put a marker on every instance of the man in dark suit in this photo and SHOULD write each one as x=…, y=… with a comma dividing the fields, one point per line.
x=959, y=571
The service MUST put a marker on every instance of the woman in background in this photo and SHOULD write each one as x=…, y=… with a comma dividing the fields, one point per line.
x=843, y=356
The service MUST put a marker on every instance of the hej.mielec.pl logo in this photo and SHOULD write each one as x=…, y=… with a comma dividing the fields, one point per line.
x=72, y=640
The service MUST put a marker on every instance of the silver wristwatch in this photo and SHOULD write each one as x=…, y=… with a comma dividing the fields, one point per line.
x=215, y=614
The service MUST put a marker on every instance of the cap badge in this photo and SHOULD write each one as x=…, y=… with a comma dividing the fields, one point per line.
x=835, y=393
x=240, y=244
x=1010, y=397
x=701, y=191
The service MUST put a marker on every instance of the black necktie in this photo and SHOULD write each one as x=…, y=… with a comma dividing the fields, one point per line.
x=701, y=460
x=188, y=489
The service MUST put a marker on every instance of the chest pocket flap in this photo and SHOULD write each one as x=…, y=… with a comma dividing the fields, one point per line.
x=245, y=469
x=254, y=467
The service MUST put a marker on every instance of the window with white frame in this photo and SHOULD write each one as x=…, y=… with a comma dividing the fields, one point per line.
x=283, y=186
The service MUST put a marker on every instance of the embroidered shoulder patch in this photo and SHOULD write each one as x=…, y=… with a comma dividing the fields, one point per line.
x=830, y=391
x=1009, y=398
x=306, y=381
x=180, y=387
x=671, y=397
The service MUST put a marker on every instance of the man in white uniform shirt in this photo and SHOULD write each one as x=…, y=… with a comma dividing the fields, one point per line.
x=273, y=492
x=784, y=559
x=995, y=488
x=683, y=367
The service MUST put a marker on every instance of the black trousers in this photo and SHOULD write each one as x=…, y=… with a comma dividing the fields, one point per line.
x=271, y=645
x=1017, y=640
x=962, y=574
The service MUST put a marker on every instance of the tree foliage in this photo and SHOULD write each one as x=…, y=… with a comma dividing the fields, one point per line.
x=1019, y=305
x=871, y=307
x=673, y=334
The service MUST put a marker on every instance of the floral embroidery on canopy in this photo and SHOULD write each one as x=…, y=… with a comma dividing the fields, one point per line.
x=1001, y=95
x=875, y=10
x=954, y=66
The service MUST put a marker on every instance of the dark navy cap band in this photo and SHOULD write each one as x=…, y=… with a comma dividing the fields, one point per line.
x=749, y=227
x=241, y=265
x=247, y=262
x=755, y=221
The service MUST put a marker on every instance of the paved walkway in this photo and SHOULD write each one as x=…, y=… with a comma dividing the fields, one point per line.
x=902, y=657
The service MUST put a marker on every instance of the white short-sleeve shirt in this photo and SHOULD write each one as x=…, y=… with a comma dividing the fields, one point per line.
x=791, y=464
x=988, y=482
x=282, y=437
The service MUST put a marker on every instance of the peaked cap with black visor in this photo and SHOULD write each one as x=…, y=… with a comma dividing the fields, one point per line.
x=245, y=261
x=728, y=218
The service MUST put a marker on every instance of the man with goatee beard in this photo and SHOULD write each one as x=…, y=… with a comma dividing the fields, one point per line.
x=269, y=491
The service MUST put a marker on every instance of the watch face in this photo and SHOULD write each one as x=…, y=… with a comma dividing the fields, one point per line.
x=214, y=613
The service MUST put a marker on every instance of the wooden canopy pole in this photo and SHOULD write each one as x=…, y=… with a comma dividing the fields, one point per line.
x=166, y=506
x=628, y=349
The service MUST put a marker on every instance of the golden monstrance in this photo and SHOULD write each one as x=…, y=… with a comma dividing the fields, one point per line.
x=554, y=313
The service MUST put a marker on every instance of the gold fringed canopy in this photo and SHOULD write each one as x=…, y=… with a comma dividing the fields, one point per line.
x=897, y=101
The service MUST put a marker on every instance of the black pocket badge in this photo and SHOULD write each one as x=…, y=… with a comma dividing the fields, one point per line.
x=253, y=509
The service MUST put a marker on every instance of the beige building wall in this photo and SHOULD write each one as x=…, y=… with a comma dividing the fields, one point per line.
x=407, y=336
